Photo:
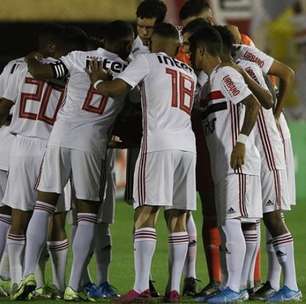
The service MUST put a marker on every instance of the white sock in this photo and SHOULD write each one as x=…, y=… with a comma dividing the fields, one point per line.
x=82, y=247
x=235, y=252
x=178, y=247
x=251, y=241
x=144, y=248
x=283, y=245
x=37, y=234
x=5, y=266
x=40, y=269
x=274, y=267
x=103, y=252
x=5, y=223
x=58, y=251
x=191, y=257
x=15, y=245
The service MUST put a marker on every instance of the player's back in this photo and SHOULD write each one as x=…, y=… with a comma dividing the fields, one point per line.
x=167, y=100
x=86, y=117
x=267, y=137
x=36, y=102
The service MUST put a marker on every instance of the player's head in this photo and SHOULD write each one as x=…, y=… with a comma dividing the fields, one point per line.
x=165, y=38
x=50, y=40
x=93, y=43
x=206, y=48
x=191, y=28
x=74, y=39
x=194, y=9
x=118, y=38
x=227, y=41
x=149, y=13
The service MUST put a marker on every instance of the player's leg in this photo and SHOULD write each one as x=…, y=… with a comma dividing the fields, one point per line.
x=55, y=172
x=251, y=237
x=189, y=288
x=282, y=240
x=178, y=246
x=16, y=242
x=5, y=223
x=237, y=199
x=283, y=245
x=184, y=200
x=58, y=245
x=103, y=239
x=211, y=241
x=83, y=240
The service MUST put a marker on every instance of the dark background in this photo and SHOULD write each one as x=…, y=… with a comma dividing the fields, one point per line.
x=19, y=39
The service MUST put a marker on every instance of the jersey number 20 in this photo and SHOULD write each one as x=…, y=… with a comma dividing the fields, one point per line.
x=41, y=95
x=182, y=96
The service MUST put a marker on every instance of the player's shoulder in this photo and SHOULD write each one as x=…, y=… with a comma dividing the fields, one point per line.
x=15, y=65
x=248, y=64
x=225, y=71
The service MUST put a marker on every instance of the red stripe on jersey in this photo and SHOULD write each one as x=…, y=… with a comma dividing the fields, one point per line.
x=266, y=140
x=214, y=95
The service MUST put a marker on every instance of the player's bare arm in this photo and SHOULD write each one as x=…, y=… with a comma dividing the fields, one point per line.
x=5, y=106
x=37, y=69
x=100, y=79
x=251, y=111
x=264, y=96
x=286, y=78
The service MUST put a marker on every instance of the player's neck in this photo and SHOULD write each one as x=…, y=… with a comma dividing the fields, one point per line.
x=211, y=64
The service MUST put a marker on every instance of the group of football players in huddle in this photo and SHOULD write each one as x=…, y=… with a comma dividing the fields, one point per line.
x=198, y=109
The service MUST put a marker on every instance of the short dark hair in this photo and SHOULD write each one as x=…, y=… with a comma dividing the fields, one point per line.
x=227, y=37
x=75, y=38
x=51, y=32
x=166, y=30
x=209, y=38
x=152, y=9
x=117, y=30
x=193, y=8
x=195, y=25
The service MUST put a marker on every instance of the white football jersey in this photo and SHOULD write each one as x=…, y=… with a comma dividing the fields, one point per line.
x=253, y=54
x=167, y=91
x=85, y=120
x=138, y=48
x=223, y=119
x=36, y=103
x=6, y=137
x=267, y=137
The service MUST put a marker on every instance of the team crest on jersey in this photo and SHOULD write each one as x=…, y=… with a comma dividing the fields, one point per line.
x=231, y=87
x=251, y=57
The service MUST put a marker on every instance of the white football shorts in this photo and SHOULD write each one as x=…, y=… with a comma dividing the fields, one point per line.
x=25, y=167
x=107, y=209
x=289, y=158
x=3, y=183
x=165, y=178
x=238, y=196
x=274, y=191
x=82, y=168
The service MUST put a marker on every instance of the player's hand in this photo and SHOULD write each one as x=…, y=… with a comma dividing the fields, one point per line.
x=34, y=55
x=238, y=156
x=96, y=72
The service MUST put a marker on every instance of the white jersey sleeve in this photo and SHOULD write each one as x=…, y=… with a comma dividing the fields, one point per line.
x=14, y=83
x=136, y=71
x=253, y=54
x=233, y=85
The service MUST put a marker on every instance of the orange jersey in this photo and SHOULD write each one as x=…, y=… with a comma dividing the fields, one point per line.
x=182, y=56
x=245, y=39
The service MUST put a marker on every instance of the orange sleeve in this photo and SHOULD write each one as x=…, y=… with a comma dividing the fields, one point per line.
x=182, y=56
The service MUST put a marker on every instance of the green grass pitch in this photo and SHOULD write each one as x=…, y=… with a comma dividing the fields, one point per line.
x=122, y=270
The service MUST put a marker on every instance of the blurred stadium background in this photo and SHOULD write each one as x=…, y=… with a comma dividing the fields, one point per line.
x=276, y=26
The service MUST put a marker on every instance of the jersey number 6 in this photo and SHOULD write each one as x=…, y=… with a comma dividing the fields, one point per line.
x=182, y=96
